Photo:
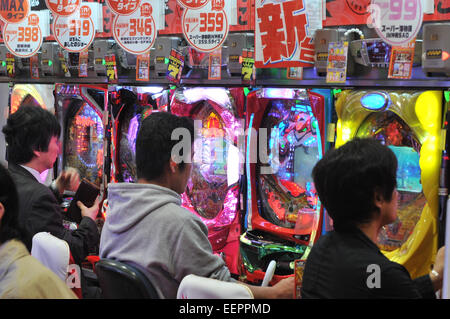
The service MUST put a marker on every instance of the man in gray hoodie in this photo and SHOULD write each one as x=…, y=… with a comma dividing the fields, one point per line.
x=146, y=225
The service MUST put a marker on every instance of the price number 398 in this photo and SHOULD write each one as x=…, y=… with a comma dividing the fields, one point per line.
x=27, y=34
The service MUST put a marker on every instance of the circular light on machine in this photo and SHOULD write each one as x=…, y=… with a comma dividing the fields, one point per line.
x=376, y=101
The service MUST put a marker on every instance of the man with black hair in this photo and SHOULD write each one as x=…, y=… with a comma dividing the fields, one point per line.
x=21, y=275
x=32, y=137
x=356, y=183
x=146, y=225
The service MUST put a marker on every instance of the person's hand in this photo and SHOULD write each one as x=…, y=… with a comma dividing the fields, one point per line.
x=284, y=289
x=90, y=212
x=437, y=273
x=69, y=179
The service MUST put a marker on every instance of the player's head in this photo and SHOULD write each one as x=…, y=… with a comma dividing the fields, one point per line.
x=9, y=203
x=155, y=146
x=354, y=179
x=29, y=130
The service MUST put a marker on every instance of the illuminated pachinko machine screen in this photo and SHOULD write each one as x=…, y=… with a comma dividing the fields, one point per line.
x=287, y=193
x=393, y=131
x=132, y=108
x=83, y=147
x=210, y=179
x=127, y=145
x=212, y=191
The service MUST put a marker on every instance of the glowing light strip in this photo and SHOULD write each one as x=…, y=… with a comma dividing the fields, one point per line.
x=249, y=183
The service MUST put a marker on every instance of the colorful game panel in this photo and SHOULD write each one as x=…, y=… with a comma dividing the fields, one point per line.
x=212, y=192
x=409, y=123
x=83, y=147
x=288, y=195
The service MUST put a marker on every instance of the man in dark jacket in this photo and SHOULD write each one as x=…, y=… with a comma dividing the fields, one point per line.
x=32, y=137
x=346, y=262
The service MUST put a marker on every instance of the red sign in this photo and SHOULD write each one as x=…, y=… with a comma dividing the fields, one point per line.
x=63, y=7
x=124, y=7
x=441, y=11
x=217, y=4
x=354, y=12
x=14, y=11
x=193, y=4
x=281, y=36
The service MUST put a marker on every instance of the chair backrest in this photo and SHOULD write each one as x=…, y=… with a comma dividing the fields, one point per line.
x=119, y=280
x=52, y=252
x=196, y=287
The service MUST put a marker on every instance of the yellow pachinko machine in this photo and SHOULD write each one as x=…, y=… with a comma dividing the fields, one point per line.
x=409, y=122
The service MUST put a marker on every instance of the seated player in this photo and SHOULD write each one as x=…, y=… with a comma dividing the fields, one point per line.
x=21, y=275
x=32, y=137
x=356, y=184
x=146, y=225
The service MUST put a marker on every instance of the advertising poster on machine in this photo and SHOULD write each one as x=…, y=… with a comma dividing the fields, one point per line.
x=337, y=62
x=284, y=32
x=401, y=62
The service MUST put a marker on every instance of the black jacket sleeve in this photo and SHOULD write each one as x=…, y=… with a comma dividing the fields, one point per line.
x=45, y=215
x=396, y=283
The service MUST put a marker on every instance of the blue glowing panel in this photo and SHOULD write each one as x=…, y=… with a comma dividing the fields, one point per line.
x=408, y=171
x=375, y=101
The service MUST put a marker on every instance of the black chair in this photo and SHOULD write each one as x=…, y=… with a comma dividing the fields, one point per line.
x=119, y=280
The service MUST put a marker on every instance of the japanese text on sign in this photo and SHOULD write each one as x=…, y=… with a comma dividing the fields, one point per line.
x=205, y=29
x=14, y=11
x=397, y=22
x=63, y=7
x=25, y=38
x=135, y=33
x=281, y=37
x=76, y=32
x=192, y=4
x=124, y=7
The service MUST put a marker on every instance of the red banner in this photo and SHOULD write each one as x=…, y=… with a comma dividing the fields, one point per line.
x=281, y=38
x=441, y=11
x=354, y=12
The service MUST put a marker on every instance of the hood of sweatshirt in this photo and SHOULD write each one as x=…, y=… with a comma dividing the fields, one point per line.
x=129, y=203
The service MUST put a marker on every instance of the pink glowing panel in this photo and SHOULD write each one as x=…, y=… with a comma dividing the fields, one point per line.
x=213, y=191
